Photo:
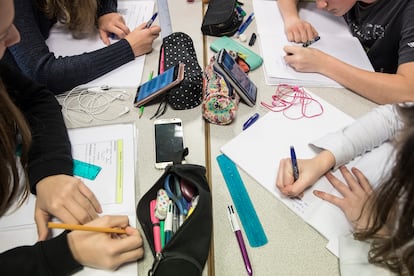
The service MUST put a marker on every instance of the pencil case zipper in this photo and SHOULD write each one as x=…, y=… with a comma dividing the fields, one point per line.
x=166, y=256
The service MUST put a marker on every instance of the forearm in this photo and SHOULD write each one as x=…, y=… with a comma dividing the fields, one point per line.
x=288, y=9
x=381, y=88
x=62, y=73
x=325, y=160
x=364, y=134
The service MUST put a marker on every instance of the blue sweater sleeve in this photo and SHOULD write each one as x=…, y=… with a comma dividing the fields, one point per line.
x=60, y=74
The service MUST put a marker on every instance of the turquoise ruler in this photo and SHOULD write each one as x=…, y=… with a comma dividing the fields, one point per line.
x=245, y=209
x=85, y=170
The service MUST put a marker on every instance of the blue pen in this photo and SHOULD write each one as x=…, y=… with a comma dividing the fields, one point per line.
x=251, y=121
x=246, y=24
x=310, y=42
x=149, y=23
x=294, y=163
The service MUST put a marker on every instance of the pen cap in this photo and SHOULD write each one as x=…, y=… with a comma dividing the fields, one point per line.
x=153, y=205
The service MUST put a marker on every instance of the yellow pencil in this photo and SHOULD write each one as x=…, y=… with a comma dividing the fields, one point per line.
x=85, y=228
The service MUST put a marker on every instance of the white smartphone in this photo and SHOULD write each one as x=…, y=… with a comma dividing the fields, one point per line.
x=168, y=141
x=238, y=79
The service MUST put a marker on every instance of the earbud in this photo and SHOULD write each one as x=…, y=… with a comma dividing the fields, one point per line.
x=126, y=110
x=105, y=87
x=120, y=97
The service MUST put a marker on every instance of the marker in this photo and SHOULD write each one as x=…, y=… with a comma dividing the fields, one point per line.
x=141, y=109
x=162, y=233
x=294, y=163
x=251, y=121
x=149, y=23
x=155, y=226
x=168, y=222
x=310, y=42
x=236, y=229
x=246, y=24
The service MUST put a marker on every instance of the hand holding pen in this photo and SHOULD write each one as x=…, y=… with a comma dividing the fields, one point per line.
x=308, y=171
x=288, y=176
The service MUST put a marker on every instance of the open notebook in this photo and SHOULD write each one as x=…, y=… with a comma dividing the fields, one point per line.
x=61, y=43
x=336, y=40
x=110, y=147
x=269, y=140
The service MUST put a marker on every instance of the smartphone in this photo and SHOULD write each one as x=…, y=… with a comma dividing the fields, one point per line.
x=168, y=141
x=159, y=85
x=226, y=66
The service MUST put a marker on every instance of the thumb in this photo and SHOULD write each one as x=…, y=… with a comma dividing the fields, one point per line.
x=41, y=219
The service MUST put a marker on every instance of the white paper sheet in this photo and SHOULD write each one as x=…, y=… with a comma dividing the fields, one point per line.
x=269, y=140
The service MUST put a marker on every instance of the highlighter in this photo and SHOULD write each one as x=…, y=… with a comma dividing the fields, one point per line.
x=155, y=227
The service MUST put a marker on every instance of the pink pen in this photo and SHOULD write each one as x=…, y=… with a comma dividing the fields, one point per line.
x=236, y=229
x=155, y=227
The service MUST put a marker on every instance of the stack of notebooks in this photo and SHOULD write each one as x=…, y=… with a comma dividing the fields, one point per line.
x=335, y=39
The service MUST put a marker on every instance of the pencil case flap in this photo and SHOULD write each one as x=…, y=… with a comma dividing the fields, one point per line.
x=187, y=250
x=253, y=59
x=221, y=18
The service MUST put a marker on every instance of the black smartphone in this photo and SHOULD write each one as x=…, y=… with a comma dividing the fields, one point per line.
x=159, y=85
x=168, y=141
x=229, y=69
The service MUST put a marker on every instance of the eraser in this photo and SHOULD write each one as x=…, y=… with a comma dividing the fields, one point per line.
x=161, y=204
x=243, y=38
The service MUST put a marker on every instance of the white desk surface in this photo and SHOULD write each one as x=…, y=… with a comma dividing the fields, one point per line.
x=294, y=248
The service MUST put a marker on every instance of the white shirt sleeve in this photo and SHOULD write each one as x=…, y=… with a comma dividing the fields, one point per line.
x=363, y=135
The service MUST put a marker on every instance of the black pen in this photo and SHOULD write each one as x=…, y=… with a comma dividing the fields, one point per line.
x=310, y=42
x=252, y=39
x=294, y=163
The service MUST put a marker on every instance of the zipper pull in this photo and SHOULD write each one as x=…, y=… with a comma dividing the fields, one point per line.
x=157, y=261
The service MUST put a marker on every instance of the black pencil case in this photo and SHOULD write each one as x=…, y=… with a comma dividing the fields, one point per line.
x=221, y=18
x=187, y=250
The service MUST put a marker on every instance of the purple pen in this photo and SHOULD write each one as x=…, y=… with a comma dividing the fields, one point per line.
x=236, y=229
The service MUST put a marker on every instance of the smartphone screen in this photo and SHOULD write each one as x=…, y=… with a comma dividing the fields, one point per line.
x=239, y=77
x=168, y=141
x=147, y=89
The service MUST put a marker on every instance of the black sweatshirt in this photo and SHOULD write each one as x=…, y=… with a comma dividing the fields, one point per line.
x=50, y=154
